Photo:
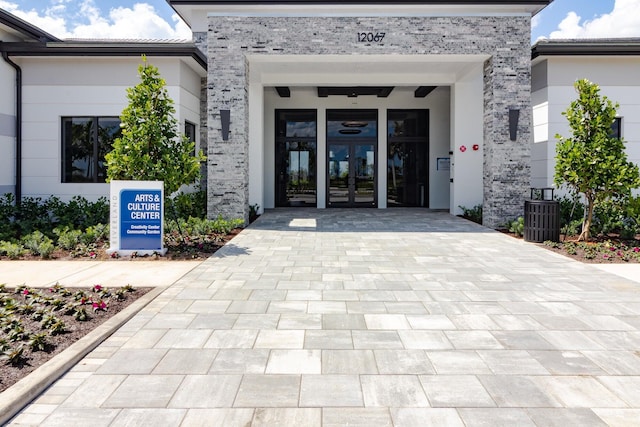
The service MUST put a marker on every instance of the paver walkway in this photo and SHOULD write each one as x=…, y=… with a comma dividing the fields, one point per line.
x=373, y=318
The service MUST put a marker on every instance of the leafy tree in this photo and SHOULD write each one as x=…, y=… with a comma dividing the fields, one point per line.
x=592, y=161
x=150, y=147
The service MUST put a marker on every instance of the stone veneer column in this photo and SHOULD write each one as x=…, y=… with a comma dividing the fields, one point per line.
x=505, y=39
x=507, y=164
x=200, y=40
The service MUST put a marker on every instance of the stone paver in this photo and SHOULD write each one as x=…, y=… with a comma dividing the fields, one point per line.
x=367, y=317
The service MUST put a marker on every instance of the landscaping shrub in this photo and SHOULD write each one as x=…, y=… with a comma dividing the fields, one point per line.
x=44, y=215
x=517, y=226
x=185, y=205
x=11, y=250
x=39, y=244
x=472, y=214
x=67, y=238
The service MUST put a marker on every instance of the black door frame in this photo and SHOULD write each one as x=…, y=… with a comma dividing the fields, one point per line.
x=415, y=141
x=351, y=142
x=281, y=177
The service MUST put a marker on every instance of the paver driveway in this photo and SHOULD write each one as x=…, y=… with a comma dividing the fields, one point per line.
x=368, y=317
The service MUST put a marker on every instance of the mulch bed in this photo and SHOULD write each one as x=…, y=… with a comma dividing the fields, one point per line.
x=10, y=374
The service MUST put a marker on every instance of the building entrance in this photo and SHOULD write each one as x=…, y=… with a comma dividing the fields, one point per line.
x=352, y=139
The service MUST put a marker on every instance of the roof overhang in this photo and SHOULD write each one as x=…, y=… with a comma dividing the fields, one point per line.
x=23, y=28
x=194, y=12
x=187, y=51
x=594, y=47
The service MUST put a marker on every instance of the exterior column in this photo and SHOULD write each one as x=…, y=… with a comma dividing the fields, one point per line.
x=228, y=155
x=507, y=163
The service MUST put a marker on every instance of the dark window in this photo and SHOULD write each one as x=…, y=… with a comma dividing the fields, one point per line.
x=85, y=141
x=296, y=157
x=616, y=128
x=408, y=158
x=190, y=131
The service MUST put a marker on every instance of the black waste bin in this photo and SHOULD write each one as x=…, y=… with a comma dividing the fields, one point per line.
x=541, y=217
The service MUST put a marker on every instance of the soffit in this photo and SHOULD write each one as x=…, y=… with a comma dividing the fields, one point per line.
x=365, y=70
x=194, y=12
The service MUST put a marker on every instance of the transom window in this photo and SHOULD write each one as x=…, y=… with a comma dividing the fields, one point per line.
x=85, y=141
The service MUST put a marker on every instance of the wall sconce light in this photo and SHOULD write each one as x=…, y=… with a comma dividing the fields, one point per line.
x=225, y=120
x=514, y=115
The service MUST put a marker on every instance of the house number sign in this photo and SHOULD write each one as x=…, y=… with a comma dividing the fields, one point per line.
x=371, y=37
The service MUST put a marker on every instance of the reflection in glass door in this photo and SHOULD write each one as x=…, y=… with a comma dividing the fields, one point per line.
x=351, y=163
x=296, y=183
x=408, y=158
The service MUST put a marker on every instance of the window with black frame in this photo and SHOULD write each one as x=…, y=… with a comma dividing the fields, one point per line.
x=190, y=131
x=85, y=141
x=296, y=163
x=408, y=158
x=616, y=128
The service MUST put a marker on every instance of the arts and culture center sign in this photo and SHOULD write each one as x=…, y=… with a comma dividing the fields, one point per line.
x=137, y=217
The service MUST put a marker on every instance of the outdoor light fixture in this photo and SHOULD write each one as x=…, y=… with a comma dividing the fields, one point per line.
x=225, y=119
x=354, y=124
x=514, y=115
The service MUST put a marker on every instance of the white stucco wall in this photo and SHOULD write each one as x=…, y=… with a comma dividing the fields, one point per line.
x=7, y=120
x=618, y=80
x=58, y=87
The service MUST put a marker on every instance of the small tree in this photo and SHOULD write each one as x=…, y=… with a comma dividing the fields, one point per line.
x=151, y=147
x=592, y=161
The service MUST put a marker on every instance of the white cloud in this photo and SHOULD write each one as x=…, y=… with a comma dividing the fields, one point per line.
x=535, y=21
x=139, y=22
x=50, y=22
x=623, y=21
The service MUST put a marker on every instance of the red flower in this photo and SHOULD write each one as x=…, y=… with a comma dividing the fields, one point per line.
x=25, y=292
x=100, y=305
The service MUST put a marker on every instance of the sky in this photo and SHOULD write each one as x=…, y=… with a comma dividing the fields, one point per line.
x=154, y=19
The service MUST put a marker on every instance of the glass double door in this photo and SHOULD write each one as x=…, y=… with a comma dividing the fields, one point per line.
x=351, y=158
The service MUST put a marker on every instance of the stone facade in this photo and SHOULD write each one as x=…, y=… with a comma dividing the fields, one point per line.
x=506, y=85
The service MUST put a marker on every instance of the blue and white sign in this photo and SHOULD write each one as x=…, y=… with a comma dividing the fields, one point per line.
x=137, y=217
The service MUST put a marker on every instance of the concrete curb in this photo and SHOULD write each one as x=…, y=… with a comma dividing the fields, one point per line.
x=19, y=395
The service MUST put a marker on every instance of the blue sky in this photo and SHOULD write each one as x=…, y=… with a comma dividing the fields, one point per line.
x=156, y=19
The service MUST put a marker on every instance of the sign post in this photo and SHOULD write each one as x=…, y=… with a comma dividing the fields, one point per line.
x=137, y=217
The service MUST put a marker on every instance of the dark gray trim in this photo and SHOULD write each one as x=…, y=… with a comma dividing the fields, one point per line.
x=25, y=28
x=354, y=91
x=7, y=125
x=18, y=126
x=423, y=91
x=361, y=2
x=599, y=47
x=283, y=91
x=106, y=49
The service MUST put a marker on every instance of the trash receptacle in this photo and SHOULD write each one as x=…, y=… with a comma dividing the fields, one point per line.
x=541, y=217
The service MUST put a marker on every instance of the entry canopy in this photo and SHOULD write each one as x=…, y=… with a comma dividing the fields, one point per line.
x=195, y=12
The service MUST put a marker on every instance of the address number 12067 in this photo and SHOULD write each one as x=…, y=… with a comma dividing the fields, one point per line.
x=370, y=37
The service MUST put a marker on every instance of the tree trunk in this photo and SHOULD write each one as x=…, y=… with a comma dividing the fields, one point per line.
x=585, y=235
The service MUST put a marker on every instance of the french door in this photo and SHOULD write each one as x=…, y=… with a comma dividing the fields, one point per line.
x=352, y=137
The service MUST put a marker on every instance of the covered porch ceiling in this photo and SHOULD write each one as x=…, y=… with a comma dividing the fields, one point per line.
x=354, y=75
